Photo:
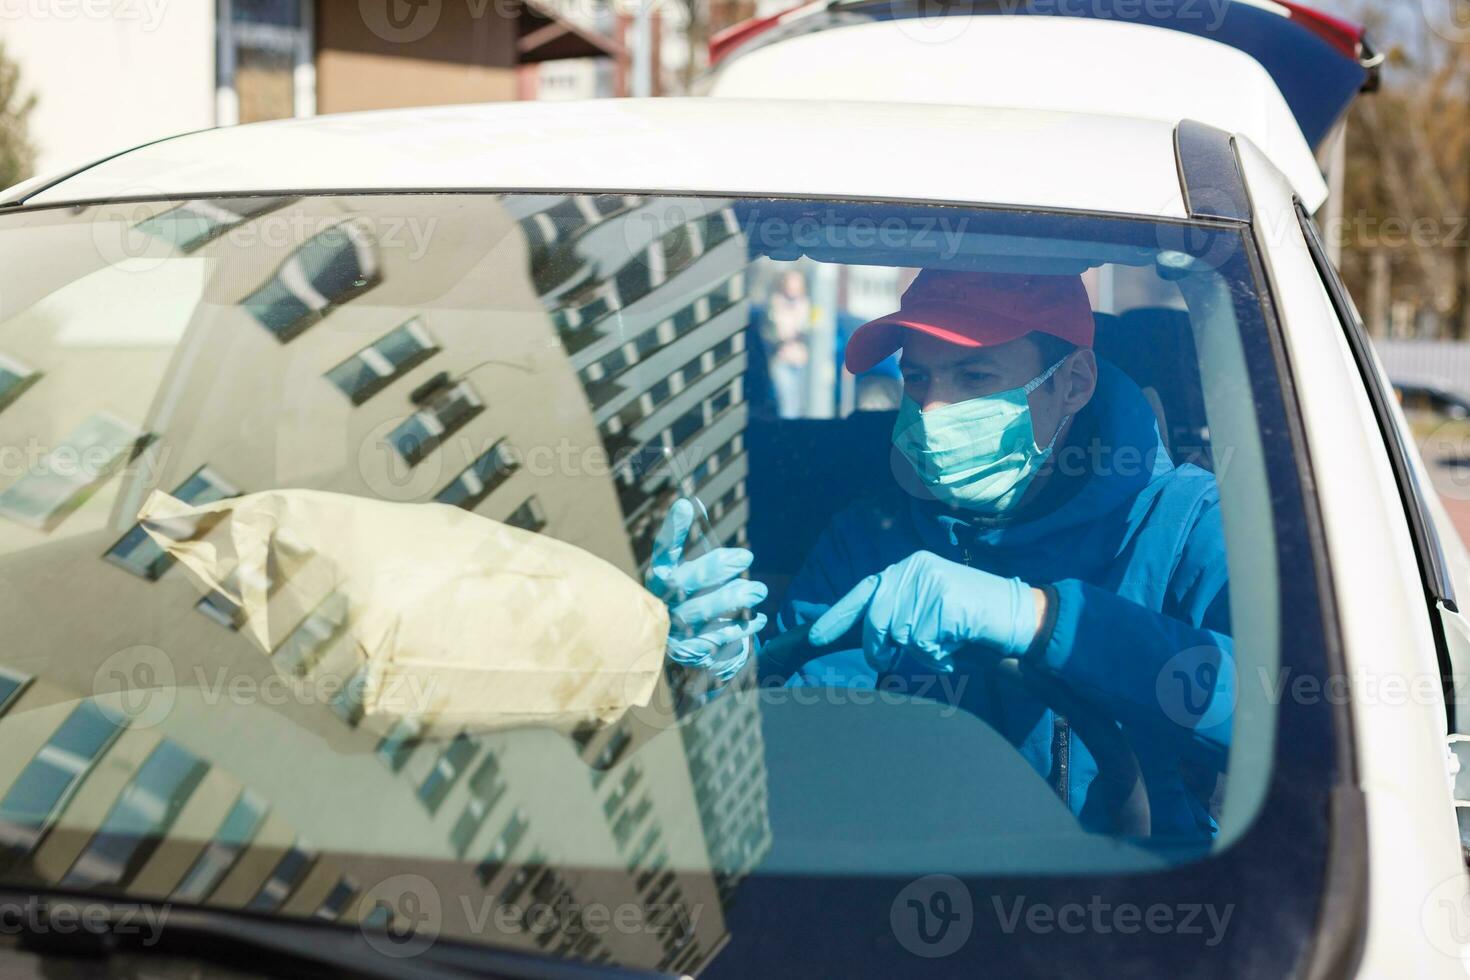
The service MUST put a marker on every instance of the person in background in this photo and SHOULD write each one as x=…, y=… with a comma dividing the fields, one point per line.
x=789, y=316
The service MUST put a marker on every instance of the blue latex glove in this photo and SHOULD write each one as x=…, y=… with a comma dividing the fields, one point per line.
x=930, y=607
x=703, y=596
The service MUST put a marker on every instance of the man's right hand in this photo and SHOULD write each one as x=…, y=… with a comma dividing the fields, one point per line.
x=705, y=596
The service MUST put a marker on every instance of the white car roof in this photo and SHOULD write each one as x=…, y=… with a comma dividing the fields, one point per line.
x=1073, y=161
x=1054, y=63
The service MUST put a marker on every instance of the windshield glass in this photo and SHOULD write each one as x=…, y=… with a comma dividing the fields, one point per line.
x=346, y=574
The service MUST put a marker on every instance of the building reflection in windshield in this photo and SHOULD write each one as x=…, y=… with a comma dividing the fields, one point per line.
x=313, y=348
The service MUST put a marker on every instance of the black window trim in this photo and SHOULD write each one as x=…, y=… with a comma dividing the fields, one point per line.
x=1209, y=173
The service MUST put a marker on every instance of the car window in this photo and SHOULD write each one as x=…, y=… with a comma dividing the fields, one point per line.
x=1437, y=579
x=332, y=531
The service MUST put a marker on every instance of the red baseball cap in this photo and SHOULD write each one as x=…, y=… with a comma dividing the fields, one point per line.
x=977, y=309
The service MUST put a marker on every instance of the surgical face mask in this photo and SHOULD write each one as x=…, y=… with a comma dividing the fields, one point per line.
x=979, y=454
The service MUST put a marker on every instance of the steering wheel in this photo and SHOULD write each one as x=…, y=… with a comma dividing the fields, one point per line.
x=1117, y=799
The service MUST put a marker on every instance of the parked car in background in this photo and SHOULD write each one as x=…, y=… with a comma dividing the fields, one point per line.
x=1428, y=398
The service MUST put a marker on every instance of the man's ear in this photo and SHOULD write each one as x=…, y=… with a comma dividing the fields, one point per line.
x=1077, y=381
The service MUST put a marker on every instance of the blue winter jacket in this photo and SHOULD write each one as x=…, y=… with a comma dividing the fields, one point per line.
x=1132, y=557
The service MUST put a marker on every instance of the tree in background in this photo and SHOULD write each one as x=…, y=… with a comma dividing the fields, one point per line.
x=701, y=20
x=17, y=155
x=1406, y=207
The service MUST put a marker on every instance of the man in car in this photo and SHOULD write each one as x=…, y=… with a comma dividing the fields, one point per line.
x=1038, y=516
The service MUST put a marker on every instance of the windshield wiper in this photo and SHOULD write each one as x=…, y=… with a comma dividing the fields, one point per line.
x=80, y=927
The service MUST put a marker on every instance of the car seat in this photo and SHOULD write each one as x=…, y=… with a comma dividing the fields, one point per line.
x=1155, y=347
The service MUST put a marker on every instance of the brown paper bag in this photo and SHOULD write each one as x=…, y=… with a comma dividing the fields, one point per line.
x=457, y=621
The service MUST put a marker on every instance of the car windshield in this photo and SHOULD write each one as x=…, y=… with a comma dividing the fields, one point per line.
x=345, y=575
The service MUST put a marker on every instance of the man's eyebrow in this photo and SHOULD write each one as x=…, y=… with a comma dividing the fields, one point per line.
x=980, y=358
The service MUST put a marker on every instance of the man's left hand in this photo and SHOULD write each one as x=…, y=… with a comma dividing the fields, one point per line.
x=931, y=607
x=704, y=597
